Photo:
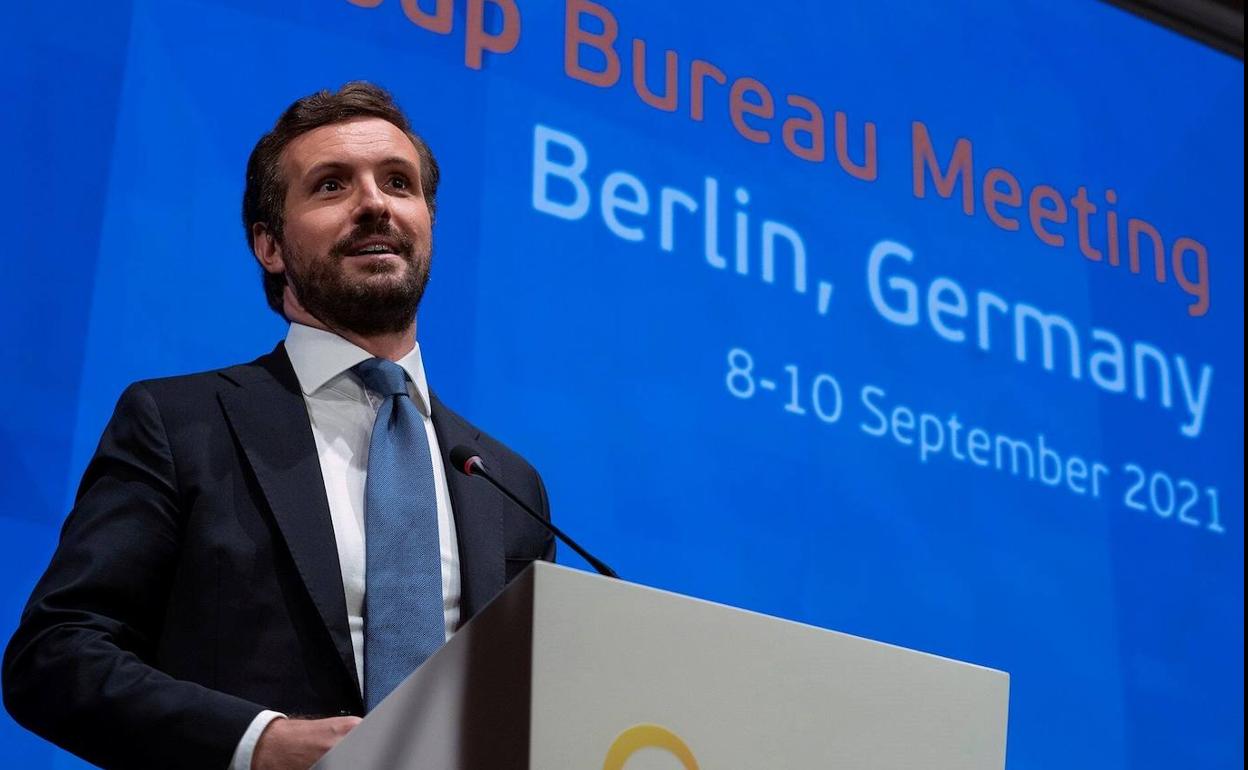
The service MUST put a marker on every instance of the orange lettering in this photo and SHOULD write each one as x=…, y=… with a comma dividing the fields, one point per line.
x=477, y=40
x=1111, y=227
x=1040, y=214
x=867, y=172
x=698, y=72
x=574, y=37
x=1085, y=209
x=738, y=107
x=667, y=102
x=993, y=196
x=1199, y=289
x=1134, y=228
x=960, y=168
x=812, y=126
x=439, y=21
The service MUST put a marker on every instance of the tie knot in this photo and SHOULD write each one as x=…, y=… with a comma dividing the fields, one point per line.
x=385, y=378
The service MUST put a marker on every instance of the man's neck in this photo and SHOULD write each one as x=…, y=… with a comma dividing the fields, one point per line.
x=390, y=345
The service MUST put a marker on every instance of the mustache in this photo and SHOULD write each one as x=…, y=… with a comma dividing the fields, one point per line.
x=405, y=244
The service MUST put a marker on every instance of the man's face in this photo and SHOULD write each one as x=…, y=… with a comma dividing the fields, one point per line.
x=357, y=240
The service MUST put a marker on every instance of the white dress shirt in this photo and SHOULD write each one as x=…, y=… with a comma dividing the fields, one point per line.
x=342, y=411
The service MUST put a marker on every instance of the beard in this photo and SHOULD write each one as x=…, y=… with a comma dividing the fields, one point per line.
x=361, y=306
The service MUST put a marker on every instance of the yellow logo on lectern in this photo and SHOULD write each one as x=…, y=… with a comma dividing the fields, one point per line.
x=640, y=737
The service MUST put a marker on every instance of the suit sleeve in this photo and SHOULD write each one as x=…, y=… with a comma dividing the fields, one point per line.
x=78, y=671
x=544, y=509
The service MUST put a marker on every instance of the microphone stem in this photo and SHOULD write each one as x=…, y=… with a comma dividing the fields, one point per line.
x=478, y=469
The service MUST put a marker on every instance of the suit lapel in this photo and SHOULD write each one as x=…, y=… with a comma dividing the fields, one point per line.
x=478, y=517
x=270, y=420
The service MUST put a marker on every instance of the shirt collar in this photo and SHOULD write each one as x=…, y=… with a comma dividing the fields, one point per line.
x=320, y=356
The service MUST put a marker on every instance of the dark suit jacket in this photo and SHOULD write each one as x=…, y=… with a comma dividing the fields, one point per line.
x=197, y=582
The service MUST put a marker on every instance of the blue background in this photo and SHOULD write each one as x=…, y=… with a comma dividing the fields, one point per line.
x=604, y=361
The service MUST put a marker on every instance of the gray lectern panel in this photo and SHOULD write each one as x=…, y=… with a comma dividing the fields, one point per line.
x=466, y=708
x=660, y=677
x=571, y=671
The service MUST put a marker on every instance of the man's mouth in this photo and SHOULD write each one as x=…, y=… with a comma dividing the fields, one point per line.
x=373, y=247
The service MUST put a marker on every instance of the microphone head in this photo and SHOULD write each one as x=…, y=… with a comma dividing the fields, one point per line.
x=465, y=460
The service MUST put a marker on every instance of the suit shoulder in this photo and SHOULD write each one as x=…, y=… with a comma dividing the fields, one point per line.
x=459, y=430
x=184, y=391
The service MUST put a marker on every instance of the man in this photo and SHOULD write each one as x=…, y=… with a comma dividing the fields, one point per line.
x=283, y=538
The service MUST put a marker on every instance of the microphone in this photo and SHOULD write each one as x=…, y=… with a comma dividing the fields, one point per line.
x=469, y=463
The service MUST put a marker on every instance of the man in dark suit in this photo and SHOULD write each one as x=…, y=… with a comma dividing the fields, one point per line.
x=209, y=585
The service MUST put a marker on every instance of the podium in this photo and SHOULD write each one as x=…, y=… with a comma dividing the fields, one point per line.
x=568, y=670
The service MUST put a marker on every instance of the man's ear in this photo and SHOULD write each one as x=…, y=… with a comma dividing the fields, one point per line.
x=267, y=249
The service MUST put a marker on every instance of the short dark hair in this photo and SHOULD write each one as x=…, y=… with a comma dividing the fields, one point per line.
x=264, y=197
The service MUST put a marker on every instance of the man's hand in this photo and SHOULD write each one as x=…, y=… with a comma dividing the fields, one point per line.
x=296, y=744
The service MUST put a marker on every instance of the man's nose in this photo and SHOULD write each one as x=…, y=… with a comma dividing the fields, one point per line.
x=371, y=202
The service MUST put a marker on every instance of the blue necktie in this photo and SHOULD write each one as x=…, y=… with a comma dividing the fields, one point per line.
x=403, y=619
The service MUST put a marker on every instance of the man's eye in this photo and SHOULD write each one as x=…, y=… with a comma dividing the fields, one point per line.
x=329, y=185
x=400, y=182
